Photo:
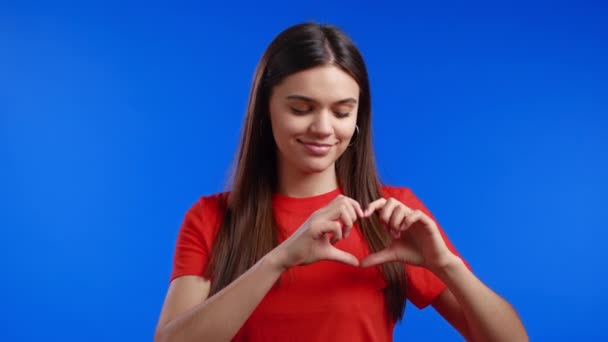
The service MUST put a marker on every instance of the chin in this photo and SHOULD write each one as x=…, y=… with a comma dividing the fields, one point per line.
x=316, y=167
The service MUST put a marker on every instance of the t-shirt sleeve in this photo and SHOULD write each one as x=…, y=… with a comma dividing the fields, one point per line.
x=193, y=243
x=422, y=285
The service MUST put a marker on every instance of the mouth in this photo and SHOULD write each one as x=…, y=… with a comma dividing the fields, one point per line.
x=314, y=148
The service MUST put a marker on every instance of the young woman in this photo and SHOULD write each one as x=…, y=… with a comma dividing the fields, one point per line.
x=308, y=245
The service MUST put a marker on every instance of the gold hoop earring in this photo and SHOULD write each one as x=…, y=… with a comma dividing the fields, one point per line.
x=354, y=141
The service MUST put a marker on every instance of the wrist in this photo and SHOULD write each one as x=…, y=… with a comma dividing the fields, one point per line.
x=448, y=267
x=275, y=260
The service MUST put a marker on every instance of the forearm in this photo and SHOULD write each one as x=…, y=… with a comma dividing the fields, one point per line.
x=221, y=316
x=489, y=317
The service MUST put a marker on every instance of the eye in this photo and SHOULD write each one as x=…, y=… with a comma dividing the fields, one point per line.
x=342, y=115
x=300, y=110
x=343, y=110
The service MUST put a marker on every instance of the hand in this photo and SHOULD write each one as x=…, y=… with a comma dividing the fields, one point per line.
x=314, y=240
x=416, y=237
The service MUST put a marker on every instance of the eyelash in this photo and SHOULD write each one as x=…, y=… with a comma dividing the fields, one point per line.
x=297, y=111
x=301, y=112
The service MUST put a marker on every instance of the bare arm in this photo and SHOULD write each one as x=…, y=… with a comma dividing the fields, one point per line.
x=473, y=309
x=188, y=316
x=477, y=312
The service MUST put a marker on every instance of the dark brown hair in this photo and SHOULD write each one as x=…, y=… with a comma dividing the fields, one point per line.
x=248, y=229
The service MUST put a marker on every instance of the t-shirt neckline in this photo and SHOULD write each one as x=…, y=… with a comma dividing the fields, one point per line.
x=304, y=204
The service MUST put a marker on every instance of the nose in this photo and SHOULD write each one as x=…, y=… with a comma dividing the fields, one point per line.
x=321, y=126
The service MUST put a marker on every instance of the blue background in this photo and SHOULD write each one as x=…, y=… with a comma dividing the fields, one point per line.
x=115, y=118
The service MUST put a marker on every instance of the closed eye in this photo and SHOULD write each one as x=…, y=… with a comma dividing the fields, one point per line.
x=342, y=115
x=300, y=111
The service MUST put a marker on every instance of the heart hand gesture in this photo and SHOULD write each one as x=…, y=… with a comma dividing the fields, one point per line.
x=416, y=238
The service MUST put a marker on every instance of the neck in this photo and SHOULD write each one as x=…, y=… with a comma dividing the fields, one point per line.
x=299, y=184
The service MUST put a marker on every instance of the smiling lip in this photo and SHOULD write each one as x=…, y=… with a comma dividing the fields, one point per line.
x=316, y=149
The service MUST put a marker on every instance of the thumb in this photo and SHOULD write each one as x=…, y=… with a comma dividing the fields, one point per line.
x=385, y=255
x=341, y=256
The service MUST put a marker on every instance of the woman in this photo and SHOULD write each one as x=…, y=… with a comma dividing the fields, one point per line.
x=308, y=245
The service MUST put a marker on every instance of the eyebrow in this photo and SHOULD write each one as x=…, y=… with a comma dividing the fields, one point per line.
x=349, y=100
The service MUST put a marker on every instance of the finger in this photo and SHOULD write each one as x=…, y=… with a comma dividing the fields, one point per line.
x=397, y=218
x=346, y=215
x=357, y=211
x=395, y=234
x=387, y=210
x=412, y=218
x=375, y=205
x=333, y=210
x=381, y=257
x=341, y=256
x=353, y=216
x=357, y=208
x=334, y=228
x=351, y=211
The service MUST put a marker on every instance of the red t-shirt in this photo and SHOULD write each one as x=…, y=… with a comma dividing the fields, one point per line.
x=324, y=301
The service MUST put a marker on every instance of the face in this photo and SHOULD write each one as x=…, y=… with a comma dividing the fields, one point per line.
x=313, y=115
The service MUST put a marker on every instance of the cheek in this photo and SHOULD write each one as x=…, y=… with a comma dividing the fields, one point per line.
x=345, y=132
x=286, y=128
x=284, y=131
x=345, y=128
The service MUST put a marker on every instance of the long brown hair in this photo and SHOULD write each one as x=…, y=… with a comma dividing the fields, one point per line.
x=248, y=229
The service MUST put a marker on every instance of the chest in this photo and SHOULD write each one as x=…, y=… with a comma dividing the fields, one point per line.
x=328, y=285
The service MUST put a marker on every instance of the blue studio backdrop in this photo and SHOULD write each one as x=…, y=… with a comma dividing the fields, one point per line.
x=116, y=116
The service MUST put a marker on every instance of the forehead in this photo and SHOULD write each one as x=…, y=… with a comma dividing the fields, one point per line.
x=325, y=84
